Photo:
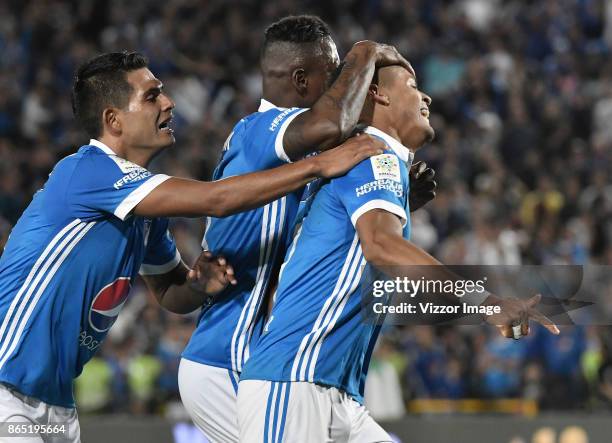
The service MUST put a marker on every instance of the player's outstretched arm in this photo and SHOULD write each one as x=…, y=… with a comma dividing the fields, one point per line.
x=382, y=243
x=335, y=114
x=183, y=290
x=178, y=197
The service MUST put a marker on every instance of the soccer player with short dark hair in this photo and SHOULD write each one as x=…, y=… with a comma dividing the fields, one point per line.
x=100, y=219
x=300, y=113
x=305, y=376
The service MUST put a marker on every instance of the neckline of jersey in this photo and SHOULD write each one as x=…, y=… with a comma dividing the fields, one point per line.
x=405, y=154
x=98, y=144
x=265, y=105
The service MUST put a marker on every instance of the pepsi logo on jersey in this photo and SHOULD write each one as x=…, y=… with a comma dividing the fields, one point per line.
x=107, y=304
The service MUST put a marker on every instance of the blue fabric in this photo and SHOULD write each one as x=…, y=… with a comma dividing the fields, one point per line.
x=254, y=242
x=67, y=269
x=315, y=332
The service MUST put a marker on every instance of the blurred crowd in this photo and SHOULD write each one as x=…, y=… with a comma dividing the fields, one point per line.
x=522, y=108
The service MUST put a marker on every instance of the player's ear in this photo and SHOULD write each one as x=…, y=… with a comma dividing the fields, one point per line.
x=377, y=96
x=300, y=81
x=111, y=120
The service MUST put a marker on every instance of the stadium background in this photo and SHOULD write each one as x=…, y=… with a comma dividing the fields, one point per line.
x=522, y=105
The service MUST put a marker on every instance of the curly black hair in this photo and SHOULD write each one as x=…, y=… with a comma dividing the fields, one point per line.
x=296, y=29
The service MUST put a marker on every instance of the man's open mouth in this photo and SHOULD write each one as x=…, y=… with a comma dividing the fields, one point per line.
x=165, y=125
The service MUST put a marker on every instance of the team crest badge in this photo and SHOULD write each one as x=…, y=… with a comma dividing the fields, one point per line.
x=386, y=167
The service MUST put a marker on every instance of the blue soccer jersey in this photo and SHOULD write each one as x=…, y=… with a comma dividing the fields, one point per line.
x=68, y=266
x=253, y=242
x=315, y=332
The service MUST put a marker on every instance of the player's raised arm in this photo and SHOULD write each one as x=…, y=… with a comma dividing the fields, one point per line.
x=335, y=114
x=178, y=197
x=382, y=243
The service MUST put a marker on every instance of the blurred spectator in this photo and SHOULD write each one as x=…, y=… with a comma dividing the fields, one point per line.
x=383, y=390
x=561, y=357
x=500, y=366
x=93, y=387
x=143, y=372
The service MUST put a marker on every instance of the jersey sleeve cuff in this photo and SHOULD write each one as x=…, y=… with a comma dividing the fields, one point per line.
x=146, y=269
x=137, y=195
x=380, y=204
x=278, y=143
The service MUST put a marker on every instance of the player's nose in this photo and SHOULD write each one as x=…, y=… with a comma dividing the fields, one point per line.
x=427, y=99
x=167, y=103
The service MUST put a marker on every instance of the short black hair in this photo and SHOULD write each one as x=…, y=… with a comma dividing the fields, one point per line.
x=100, y=83
x=296, y=29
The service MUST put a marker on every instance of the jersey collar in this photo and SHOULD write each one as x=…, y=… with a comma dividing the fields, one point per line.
x=98, y=144
x=265, y=105
x=405, y=154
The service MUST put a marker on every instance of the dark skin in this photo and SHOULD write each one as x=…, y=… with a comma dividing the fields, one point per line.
x=139, y=131
x=397, y=107
x=298, y=75
x=300, y=82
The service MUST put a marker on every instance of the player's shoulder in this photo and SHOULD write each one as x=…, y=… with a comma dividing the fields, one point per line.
x=258, y=132
x=86, y=155
x=270, y=119
x=71, y=163
x=96, y=161
x=385, y=166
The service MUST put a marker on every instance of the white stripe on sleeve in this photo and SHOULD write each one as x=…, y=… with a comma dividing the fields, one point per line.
x=278, y=143
x=138, y=194
x=380, y=204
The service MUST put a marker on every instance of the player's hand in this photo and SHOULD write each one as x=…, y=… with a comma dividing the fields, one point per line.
x=513, y=320
x=422, y=185
x=211, y=274
x=385, y=55
x=341, y=159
